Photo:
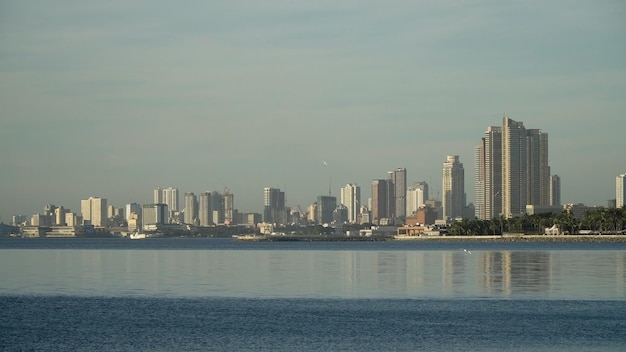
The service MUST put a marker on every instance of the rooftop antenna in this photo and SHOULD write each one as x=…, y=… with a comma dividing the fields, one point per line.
x=330, y=184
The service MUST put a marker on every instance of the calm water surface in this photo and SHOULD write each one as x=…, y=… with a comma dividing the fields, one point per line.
x=218, y=294
x=224, y=268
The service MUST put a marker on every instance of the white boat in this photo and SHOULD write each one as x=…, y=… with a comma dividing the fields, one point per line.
x=137, y=236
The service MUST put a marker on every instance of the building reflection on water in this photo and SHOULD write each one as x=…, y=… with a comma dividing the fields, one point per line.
x=545, y=274
x=557, y=274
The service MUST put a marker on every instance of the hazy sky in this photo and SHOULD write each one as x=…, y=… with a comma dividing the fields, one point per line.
x=116, y=98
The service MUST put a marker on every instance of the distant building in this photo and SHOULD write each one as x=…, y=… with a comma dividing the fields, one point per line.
x=229, y=208
x=8, y=230
x=397, y=178
x=351, y=199
x=205, y=209
x=170, y=197
x=620, y=190
x=72, y=220
x=274, y=206
x=611, y=203
x=416, y=196
x=488, y=175
x=340, y=214
x=525, y=170
x=555, y=190
x=364, y=216
x=59, y=216
x=154, y=214
x=543, y=209
x=191, y=208
x=326, y=206
x=132, y=208
x=512, y=171
x=453, y=201
x=381, y=204
x=578, y=210
x=94, y=211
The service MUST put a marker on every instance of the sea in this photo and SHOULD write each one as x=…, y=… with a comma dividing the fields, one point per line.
x=219, y=294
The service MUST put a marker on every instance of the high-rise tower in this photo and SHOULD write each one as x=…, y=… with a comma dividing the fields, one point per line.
x=398, y=180
x=170, y=197
x=416, y=197
x=274, y=206
x=325, y=207
x=191, y=208
x=620, y=190
x=488, y=177
x=380, y=200
x=94, y=210
x=453, y=188
x=351, y=199
x=512, y=170
x=555, y=190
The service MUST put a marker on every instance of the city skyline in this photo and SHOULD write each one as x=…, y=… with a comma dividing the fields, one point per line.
x=114, y=99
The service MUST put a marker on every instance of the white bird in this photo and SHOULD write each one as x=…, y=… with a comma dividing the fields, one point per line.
x=325, y=163
x=467, y=251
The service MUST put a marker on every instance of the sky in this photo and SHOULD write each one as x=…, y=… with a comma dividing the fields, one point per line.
x=116, y=98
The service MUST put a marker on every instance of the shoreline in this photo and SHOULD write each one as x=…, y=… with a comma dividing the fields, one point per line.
x=479, y=238
x=520, y=238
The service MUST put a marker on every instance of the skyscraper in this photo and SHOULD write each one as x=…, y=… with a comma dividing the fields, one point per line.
x=191, y=208
x=205, y=209
x=325, y=208
x=488, y=177
x=274, y=206
x=512, y=170
x=416, y=197
x=132, y=208
x=398, y=180
x=555, y=190
x=170, y=197
x=620, y=190
x=94, y=210
x=229, y=207
x=514, y=167
x=153, y=215
x=380, y=200
x=158, y=196
x=351, y=199
x=453, y=188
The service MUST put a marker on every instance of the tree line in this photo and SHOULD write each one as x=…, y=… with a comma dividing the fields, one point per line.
x=597, y=221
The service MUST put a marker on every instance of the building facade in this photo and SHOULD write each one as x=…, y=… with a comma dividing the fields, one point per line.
x=274, y=211
x=191, y=208
x=380, y=200
x=94, y=211
x=555, y=190
x=453, y=188
x=488, y=175
x=351, y=199
x=397, y=178
x=620, y=190
x=416, y=197
x=154, y=215
x=512, y=171
x=325, y=209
